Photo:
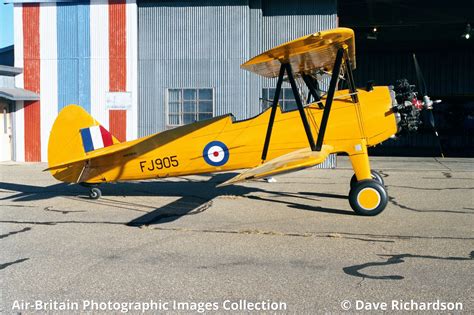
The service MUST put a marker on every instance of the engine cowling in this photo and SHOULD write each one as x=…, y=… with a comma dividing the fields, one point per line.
x=406, y=106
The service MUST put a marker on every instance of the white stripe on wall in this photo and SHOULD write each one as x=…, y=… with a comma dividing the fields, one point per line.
x=99, y=36
x=19, y=132
x=18, y=38
x=19, y=114
x=132, y=66
x=96, y=137
x=48, y=73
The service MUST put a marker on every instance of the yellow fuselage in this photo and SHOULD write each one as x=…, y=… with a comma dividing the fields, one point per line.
x=351, y=129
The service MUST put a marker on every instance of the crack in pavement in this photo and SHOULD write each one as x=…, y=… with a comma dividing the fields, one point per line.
x=49, y=208
x=5, y=265
x=401, y=206
x=385, y=238
x=272, y=233
x=19, y=206
x=15, y=232
x=389, y=238
x=434, y=189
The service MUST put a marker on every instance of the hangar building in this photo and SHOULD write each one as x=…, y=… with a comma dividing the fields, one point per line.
x=140, y=67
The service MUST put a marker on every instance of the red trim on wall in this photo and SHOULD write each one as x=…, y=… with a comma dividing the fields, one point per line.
x=117, y=64
x=31, y=74
x=118, y=124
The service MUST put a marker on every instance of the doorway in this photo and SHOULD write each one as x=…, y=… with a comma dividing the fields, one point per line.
x=6, y=136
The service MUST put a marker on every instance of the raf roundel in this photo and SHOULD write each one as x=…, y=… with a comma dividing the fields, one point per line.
x=216, y=153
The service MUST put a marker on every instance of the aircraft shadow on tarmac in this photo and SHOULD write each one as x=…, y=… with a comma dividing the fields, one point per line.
x=195, y=196
x=392, y=260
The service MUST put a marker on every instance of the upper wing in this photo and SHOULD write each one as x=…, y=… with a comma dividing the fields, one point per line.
x=307, y=53
x=289, y=162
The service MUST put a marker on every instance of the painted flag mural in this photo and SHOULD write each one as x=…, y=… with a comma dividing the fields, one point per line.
x=74, y=53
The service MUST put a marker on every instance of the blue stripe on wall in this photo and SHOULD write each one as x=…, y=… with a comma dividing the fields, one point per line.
x=73, y=40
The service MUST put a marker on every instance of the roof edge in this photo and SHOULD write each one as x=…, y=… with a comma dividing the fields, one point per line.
x=10, y=71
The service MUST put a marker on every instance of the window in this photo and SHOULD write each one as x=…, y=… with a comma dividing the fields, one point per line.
x=287, y=99
x=186, y=106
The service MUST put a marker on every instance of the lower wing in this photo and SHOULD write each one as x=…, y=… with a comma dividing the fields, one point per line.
x=290, y=162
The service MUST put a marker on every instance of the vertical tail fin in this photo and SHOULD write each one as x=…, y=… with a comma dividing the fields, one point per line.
x=74, y=134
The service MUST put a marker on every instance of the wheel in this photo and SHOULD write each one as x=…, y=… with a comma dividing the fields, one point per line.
x=375, y=175
x=95, y=193
x=368, y=197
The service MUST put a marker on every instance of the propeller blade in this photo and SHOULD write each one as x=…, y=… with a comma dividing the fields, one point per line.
x=420, y=78
x=439, y=144
x=432, y=121
x=428, y=103
x=433, y=125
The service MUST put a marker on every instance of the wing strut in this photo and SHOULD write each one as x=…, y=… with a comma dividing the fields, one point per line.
x=304, y=119
x=272, y=114
x=286, y=67
x=329, y=98
x=312, y=85
x=350, y=75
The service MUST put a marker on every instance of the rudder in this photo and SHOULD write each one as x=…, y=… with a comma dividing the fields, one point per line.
x=74, y=134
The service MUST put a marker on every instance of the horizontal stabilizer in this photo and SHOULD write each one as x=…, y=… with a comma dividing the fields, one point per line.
x=95, y=154
x=289, y=162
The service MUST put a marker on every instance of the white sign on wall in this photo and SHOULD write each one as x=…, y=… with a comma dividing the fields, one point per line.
x=118, y=100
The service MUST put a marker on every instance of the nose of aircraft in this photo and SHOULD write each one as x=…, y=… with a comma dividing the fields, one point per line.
x=407, y=106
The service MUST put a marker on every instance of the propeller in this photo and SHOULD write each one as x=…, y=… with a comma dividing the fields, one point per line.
x=427, y=102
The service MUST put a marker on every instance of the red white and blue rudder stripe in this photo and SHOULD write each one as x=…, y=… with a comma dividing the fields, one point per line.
x=95, y=137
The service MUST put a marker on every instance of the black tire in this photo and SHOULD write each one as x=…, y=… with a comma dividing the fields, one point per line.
x=368, y=187
x=95, y=193
x=375, y=175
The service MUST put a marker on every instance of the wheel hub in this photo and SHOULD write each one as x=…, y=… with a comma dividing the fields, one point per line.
x=368, y=198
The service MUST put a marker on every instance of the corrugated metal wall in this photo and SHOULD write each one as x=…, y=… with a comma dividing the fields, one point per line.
x=286, y=20
x=203, y=44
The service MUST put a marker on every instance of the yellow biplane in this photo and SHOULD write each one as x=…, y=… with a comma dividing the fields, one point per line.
x=347, y=121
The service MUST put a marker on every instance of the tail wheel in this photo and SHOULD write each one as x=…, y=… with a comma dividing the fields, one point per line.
x=95, y=193
x=375, y=176
x=368, y=197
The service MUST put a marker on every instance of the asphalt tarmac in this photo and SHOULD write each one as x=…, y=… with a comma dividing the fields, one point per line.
x=294, y=246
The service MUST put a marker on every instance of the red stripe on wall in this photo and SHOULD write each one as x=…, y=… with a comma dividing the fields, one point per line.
x=118, y=123
x=31, y=72
x=117, y=66
x=117, y=46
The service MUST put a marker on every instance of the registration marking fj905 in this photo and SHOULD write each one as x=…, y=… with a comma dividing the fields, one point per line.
x=159, y=163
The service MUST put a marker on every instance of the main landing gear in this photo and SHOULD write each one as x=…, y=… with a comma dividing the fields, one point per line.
x=375, y=176
x=94, y=191
x=368, y=197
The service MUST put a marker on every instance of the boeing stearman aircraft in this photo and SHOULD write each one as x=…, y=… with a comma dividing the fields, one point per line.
x=350, y=120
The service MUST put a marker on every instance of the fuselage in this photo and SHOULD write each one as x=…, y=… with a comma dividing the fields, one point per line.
x=223, y=144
